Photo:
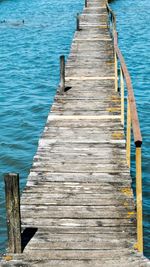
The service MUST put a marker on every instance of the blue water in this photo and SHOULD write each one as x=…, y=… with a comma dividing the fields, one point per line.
x=29, y=75
x=133, y=18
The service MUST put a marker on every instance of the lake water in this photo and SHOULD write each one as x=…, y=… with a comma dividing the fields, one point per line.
x=29, y=75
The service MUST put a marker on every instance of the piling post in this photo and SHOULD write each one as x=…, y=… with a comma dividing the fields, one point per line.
x=78, y=22
x=13, y=212
x=62, y=74
x=122, y=95
x=85, y=3
x=139, y=198
x=128, y=135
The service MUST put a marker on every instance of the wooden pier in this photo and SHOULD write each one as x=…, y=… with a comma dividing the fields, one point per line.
x=78, y=203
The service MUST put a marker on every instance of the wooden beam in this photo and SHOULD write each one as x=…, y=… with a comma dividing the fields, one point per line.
x=13, y=212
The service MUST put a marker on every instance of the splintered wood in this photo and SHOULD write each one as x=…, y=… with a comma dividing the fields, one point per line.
x=78, y=195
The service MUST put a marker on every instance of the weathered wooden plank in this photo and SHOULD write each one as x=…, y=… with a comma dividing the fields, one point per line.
x=119, y=198
x=97, y=225
x=81, y=187
x=98, y=244
x=63, y=104
x=72, y=201
x=66, y=112
x=77, y=254
x=80, y=177
x=82, y=132
x=86, y=129
x=62, y=227
x=82, y=168
x=86, y=153
x=44, y=235
x=82, y=117
x=76, y=212
x=96, y=45
x=77, y=160
x=93, y=39
x=75, y=138
x=74, y=95
x=82, y=78
x=73, y=123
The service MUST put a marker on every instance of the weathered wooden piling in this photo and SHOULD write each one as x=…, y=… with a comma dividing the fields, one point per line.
x=78, y=22
x=62, y=74
x=13, y=212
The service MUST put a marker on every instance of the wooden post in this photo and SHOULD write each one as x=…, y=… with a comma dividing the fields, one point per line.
x=139, y=199
x=122, y=96
x=116, y=74
x=85, y=3
x=62, y=74
x=128, y=135
x=78, y=22
x=13, y=212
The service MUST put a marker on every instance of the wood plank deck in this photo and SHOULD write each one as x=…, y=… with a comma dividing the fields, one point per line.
x=78, y=195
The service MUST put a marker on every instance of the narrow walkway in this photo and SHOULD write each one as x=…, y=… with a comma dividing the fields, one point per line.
x=78, y=193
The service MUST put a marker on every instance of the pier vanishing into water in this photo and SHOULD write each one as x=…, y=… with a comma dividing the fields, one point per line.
x=78, y=209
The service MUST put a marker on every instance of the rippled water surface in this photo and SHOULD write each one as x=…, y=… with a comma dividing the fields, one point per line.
x=29, y=74
x=133, y=17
